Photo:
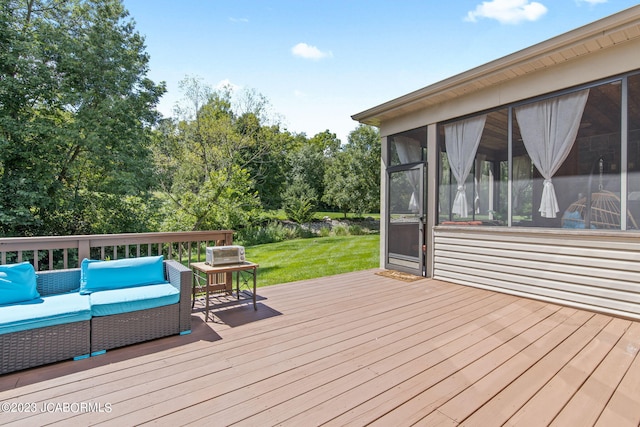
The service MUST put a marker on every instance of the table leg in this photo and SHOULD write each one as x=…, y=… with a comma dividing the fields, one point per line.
x=255, y=306
x=209, y=282
x=237, y=285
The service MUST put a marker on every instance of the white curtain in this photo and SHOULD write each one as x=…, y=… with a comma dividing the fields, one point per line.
x=521, y=178
x=548, y=130
x=409, y=151
x=462, y=139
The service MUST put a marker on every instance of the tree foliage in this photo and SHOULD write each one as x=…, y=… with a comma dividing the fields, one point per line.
x=205, y=159
x=299, y=202
x=308, y=163
x=224, y=162
x=75, y=115
x=83, y=149
x=352, y=178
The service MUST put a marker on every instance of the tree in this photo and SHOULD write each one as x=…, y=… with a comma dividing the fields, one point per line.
x=299, y=202
x=309, y=160
x=306, y=168
x=75, y=115
x=352, y=179
x=326, y=142
x=206, y=160
x=266, y=161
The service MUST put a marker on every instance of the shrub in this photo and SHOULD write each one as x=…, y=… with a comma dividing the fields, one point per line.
x=299, y=202
x=271, y=233
x=259, y=235
x=340, y=230
x=324, y=232
x=356, y=230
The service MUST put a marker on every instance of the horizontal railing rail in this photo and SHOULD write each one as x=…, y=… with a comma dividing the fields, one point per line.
x=59, y=252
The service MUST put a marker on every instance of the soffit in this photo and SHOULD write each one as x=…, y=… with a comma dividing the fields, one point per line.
x=605, y=33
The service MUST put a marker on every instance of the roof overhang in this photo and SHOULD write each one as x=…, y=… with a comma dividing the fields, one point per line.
x=602, y=34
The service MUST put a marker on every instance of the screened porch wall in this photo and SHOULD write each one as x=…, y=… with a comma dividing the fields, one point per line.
x=589, y=269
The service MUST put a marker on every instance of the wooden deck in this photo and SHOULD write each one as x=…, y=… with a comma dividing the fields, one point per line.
x=355, y=349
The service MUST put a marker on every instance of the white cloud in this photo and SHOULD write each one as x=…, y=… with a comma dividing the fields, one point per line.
x=592, y=2
x=306, y=51
x=299, y=94
x=227, y=84
x=509, y=11
x=239, y=20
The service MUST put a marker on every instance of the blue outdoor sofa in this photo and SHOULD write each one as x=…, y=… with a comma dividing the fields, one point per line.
x=76, y=313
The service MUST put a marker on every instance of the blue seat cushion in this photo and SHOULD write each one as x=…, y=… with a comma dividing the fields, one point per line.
x=17, y=283
x=121, y=273
x=45, y=311
x=117, y=301
x=573, y=220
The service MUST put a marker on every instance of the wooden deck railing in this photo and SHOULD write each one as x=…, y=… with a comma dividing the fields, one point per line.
x=58, y=252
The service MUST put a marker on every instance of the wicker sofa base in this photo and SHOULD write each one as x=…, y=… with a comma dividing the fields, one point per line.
x=35, y=347
x=118, y=330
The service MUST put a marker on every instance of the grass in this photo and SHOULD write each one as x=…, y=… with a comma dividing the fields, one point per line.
x=303, y=259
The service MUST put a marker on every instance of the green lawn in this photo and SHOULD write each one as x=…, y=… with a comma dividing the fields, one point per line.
x=302, y=259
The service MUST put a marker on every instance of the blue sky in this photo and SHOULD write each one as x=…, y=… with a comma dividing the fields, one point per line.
x=320, y=61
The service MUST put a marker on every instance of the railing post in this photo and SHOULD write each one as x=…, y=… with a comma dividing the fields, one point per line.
x=84, y=250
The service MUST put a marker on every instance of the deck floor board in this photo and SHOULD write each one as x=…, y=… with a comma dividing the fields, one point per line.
x=357, y=349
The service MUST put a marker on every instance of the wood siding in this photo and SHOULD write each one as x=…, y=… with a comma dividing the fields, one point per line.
x=592, y=270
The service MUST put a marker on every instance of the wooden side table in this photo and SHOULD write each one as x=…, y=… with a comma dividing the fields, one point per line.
x=204, y=279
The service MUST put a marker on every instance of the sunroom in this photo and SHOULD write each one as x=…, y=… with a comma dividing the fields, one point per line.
x=523, y=175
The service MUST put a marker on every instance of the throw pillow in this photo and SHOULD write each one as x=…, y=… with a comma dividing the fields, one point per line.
x=17, y=283
x=121, y=273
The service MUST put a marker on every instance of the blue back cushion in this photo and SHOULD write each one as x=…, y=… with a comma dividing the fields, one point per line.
x=17, y=283
x=121, y=273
